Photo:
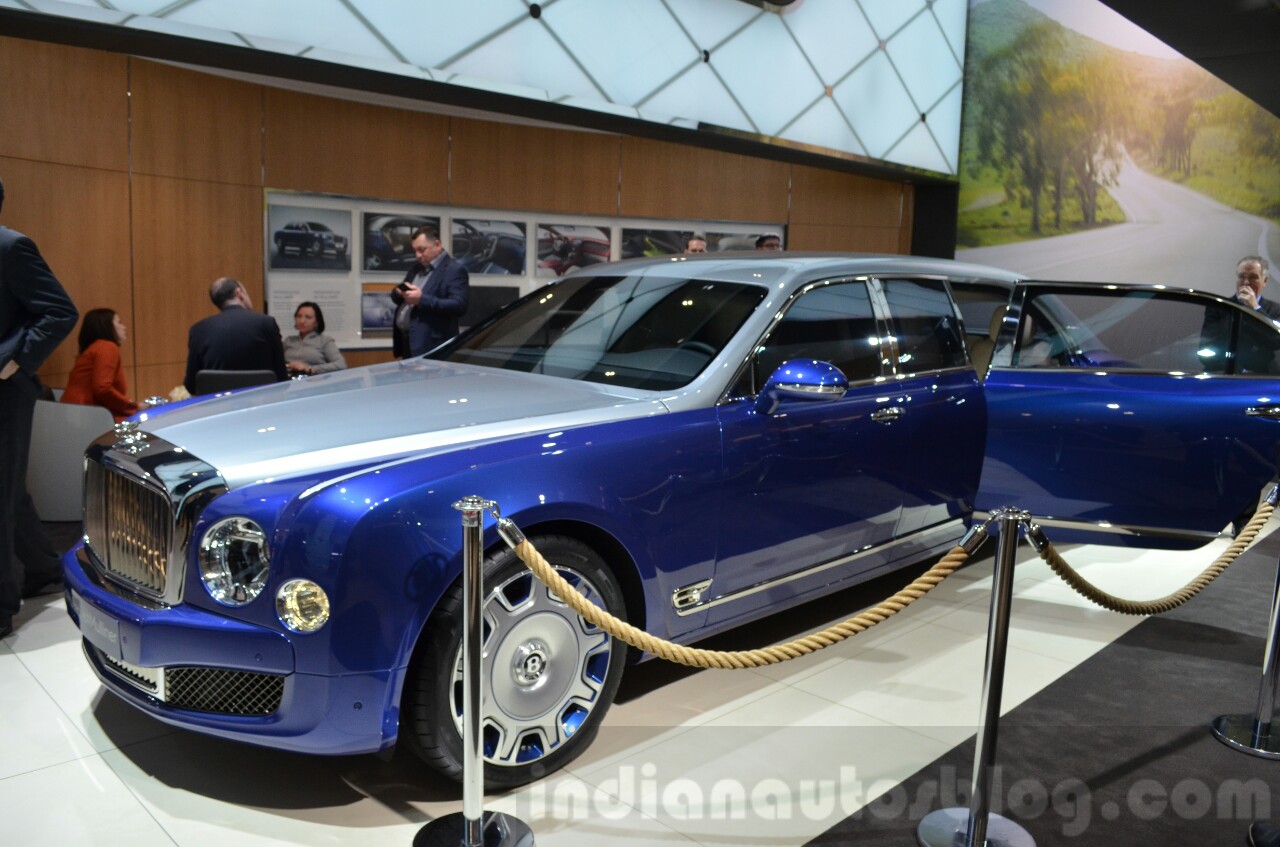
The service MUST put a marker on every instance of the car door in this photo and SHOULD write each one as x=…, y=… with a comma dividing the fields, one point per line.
x=936, y=392
x=808, y=482
x=1131, y=415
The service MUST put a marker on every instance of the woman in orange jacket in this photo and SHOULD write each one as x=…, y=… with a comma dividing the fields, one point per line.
x=97, y=377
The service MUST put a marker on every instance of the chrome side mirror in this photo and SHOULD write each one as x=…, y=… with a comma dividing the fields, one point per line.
x=806, y=380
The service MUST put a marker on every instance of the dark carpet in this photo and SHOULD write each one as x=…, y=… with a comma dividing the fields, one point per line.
x=1118, y=751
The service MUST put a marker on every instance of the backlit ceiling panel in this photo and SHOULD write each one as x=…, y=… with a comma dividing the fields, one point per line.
x=874, y=78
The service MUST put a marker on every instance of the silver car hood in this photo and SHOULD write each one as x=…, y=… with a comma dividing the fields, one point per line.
x=385, y=412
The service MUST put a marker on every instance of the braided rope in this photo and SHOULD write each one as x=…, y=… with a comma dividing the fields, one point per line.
x=733, y=659
x=1108, y=601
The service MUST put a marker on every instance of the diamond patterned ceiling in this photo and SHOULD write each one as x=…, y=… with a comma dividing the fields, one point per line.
x=876, y=78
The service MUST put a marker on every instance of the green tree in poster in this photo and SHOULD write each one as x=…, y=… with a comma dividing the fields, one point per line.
x=1182, y=120
x=1013, y=85
x=1089, y=122
x=1051, y=121
x=1256, y=130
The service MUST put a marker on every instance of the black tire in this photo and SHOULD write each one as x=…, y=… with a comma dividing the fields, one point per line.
x=549, y=676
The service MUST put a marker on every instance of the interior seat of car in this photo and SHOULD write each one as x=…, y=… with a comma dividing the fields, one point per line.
x=982, y=347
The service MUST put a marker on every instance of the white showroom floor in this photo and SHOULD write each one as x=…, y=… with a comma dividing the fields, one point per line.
x=752, y=757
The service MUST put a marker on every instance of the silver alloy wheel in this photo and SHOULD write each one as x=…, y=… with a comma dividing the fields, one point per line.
x=544, y=669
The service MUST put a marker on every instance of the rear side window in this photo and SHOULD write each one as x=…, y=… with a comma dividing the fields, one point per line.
x=927, y=329
x=978, y=304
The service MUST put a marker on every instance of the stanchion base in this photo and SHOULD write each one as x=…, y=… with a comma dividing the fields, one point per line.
x=950, y=828
x=1236, y=731
x=498, y=830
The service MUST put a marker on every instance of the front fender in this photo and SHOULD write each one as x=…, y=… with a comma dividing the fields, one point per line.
x=386, y=543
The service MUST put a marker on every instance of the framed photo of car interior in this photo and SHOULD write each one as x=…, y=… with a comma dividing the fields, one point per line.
x=388, y=239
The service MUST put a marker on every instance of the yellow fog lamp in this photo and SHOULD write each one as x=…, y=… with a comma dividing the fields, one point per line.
x=302, y=605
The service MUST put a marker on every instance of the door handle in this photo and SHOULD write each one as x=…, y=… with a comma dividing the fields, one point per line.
x=1270, y=412
x=892, y=413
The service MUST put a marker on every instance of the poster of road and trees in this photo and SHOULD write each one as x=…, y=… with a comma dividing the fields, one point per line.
x=1090, y=151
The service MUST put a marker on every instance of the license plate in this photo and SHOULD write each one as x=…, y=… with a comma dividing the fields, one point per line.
x=99, y=628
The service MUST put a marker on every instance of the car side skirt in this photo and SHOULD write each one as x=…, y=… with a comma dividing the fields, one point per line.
x=934, y=534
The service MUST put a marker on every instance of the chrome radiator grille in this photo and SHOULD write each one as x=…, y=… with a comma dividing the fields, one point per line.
x=128, y=527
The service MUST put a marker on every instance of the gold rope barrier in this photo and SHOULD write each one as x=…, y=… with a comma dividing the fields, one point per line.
x=733, y=659
x=1108, y=601
x=926, y=582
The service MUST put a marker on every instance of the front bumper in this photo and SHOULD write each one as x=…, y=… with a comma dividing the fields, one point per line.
x=198, y=670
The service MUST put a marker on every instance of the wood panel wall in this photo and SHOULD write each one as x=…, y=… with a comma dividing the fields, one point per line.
x=661, y=180
x=143, y=182
x=510, y=166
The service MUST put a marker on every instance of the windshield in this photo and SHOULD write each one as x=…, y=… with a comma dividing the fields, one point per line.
x=630, y=331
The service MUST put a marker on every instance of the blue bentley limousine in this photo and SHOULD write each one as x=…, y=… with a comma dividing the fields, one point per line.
x=693, y=441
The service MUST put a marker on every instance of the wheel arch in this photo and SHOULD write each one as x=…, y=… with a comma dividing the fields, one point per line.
x=615, y=554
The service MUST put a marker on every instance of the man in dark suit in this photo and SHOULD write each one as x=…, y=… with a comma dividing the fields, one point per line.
x=235, y=339
x=35, y=315
x=1251, y=278
x=1255, y=352
x=434, y=294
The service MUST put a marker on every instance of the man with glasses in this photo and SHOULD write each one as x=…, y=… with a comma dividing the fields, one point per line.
x=769, y=241
x=434, y=294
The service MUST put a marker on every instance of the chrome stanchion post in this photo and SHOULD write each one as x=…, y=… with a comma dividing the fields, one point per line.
x=1252, y=734
x=473, y=827
x=943, y=828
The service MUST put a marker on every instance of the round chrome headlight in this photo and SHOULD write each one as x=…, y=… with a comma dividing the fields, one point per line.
x=302, y=605
x=234, y=561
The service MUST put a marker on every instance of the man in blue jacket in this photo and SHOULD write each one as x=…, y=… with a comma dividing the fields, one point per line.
x=434, y=294
x=35, y=315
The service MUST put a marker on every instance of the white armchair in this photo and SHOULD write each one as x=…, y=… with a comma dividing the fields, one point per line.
x=55, y=470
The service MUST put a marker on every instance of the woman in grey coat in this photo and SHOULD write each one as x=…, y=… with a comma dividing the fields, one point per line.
x=311, y=351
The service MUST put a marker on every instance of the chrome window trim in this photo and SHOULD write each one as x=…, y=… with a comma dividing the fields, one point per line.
x=954, y=526
x=968, y=366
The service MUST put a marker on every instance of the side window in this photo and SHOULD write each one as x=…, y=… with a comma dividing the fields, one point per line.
x=1143, y=331
x=925, y=324
x=1257, y=347
x=978, y=304
x=832, y=323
